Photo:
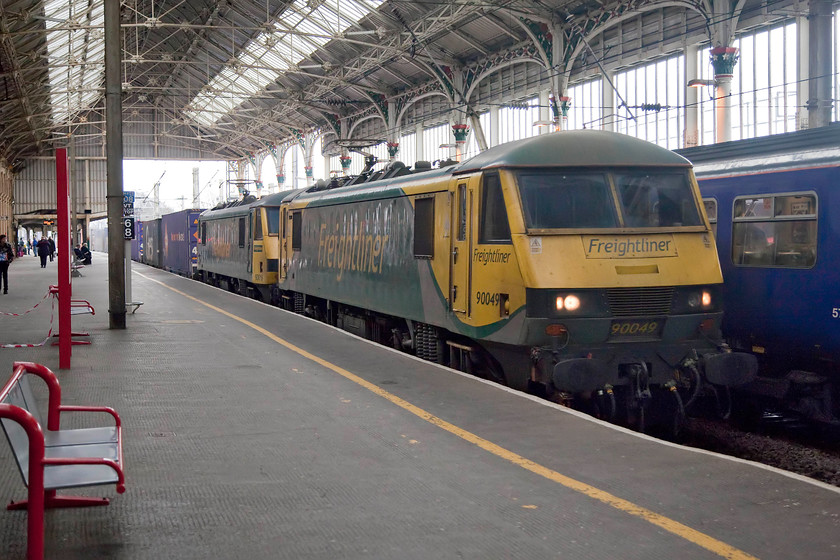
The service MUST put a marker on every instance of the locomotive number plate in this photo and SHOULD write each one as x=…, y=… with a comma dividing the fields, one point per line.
x=636, y=329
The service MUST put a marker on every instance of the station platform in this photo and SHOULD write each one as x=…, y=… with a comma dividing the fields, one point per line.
x=251, y=432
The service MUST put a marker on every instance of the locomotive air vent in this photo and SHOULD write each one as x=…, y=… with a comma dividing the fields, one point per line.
x=627, y=302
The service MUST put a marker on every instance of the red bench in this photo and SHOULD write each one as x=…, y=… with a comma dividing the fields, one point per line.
x=54, y=459
x=77, y=306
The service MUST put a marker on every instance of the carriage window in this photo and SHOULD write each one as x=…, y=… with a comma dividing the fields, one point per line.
x=258, y=233
x=796, y=205
x=241, y=232
x=759, y=207
x=273, y=218
x=424, y=228
x=710, y=205
x=494, y=219
x=775, y=230
x=296, y=231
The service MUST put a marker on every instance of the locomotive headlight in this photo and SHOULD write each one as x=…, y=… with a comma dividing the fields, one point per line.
x=698, y=299
x=694, y=300
x=572, y=303
x=569, y=303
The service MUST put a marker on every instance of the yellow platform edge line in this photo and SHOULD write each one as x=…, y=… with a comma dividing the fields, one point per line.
x=674, y=527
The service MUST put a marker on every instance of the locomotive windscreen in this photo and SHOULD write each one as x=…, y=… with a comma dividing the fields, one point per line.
x=656, y=199
x=566, y=200
x=273, y=215
x=647, y=198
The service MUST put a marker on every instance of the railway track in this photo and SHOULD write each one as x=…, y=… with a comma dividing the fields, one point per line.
x=802, y=447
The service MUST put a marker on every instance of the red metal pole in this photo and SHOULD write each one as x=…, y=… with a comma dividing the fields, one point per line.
x=35, y=505
x=65, y=342
x=35, y=499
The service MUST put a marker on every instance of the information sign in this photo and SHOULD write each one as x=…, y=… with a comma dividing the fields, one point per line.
x=128, y=204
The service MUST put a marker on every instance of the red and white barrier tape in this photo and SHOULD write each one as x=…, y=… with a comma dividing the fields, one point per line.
x=28, y=310
x=49, y=334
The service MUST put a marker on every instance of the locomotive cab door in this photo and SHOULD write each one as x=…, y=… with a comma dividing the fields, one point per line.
x=284, y=255
x=258, y=243
x=249, y=243
x=459, y=255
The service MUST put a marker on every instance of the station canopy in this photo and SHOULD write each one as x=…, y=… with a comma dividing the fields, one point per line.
x=235, y=76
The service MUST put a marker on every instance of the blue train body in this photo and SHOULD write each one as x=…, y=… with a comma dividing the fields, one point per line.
x=137, y=244
x=168, y=242
x=782, y=293
x=179, y=236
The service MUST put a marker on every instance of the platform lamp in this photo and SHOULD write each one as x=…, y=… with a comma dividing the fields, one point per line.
x=691, y=125
x=448, y=148
x=700, y=82
x=543, y=124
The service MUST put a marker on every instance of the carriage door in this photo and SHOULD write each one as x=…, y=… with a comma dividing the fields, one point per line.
x=459, y=263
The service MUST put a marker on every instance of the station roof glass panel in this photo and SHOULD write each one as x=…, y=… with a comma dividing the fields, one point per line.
x=303, y=27
x=76, y=52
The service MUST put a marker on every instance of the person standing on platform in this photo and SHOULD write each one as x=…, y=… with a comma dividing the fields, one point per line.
x=52, y=248
x=7, y=255
x=43, y=251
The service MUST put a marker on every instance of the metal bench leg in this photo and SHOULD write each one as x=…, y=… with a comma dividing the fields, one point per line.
x=73, y=342
x=53, y=501
x=35, y=513
x=74, y=501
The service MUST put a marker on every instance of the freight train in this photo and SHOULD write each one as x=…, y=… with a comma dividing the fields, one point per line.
x=577, y=265
x=169, y=242
x=775, y=205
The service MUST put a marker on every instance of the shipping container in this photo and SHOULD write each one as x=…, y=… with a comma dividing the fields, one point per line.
x=152, y=243
x=179, y=234
x=137, y=242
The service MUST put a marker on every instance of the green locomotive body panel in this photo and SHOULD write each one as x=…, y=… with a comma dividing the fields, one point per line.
x=359, y=253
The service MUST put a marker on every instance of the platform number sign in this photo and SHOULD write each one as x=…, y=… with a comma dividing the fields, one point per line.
x=128, y=215
x=128, y=228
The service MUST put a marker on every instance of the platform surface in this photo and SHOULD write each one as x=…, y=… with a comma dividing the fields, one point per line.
x=254, y=433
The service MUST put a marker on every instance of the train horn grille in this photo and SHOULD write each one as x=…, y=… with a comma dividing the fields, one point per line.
x=630, y=302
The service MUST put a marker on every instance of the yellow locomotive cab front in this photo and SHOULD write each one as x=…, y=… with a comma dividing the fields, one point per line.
x=608, y=269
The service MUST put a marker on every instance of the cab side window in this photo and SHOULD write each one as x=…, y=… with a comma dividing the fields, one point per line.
x=273, y=219
x=258, y=230
x=494, y=219
x=296, y=231
x=241, y=232
x=775, y=230
x=424, y=228
x=710, y=205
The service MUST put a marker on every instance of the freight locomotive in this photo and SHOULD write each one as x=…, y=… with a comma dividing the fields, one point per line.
x=577, y=265
x=775, y=204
